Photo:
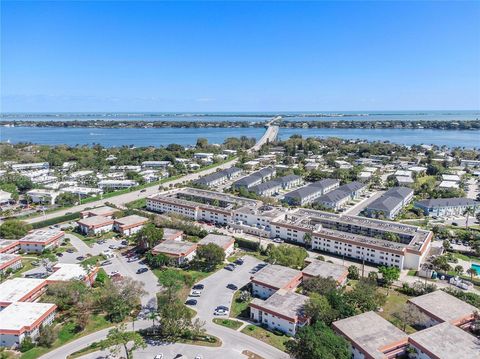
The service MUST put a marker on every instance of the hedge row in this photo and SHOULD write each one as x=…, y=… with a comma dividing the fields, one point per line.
x=55, y=220
x=243, y=243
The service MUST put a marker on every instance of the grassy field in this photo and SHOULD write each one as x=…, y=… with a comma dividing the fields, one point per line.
x=90, y=241
x=277, y=341
x=229, y=323
x=395, y=302
x=67, y=334
x=466, y=258
x=239, y=309
x=93, y=260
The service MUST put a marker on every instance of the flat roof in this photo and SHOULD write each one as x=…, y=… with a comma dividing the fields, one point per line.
x=41, y=235
x=325, y=270
x=446, y=341
x=131, y=220
x=4, y=243
x=95, y=221
x=13, y=290
x=370, y=332
x=443, y=306
x=23, y=314
x=101, y=211
x=67, y=271
x=218, y=239
x=276, y=276
x=7, y=257
x=177, y=248
x=284, y=302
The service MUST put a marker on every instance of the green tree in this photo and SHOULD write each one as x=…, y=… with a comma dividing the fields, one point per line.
x=119, y=298
x=469, y=211
x=287, y=255
x=472, y=272
x=211, y=254
x=119, y=337
x=353, y=272
x=320, y=342
x=320, y=285
x=365, y=296
x=174, y=317
x=149, y=236
x=66, y=199
x=389, y=275
x=319, y=309
x=409, y=314
x=46, y=336
x=14, y=229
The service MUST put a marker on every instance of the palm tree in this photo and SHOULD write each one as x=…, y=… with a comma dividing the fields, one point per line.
x=467, y=212
x=458, y=270
x=153, y=315
x=472, y=272
x=307, y=238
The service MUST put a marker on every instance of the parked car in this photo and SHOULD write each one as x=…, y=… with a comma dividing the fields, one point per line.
x=230, y=268
x=191, y=302
x=221, y=310
x=232, y=286
x=59, y=254
x=195, y=293
x=158, y=356
x=113, y=273
x=239, y=261
x=142, y=270
x=70, y=250
x=80, y=258
x=106, y=263
x=143, y=190
x=198, y=286
x=277, y=240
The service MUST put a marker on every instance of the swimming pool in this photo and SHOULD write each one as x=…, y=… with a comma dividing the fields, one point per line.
x=477, y=268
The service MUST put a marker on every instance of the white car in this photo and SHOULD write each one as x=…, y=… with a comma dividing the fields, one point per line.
x=112, y=273
x=158, y=356
x=195, y=293
x=220, y=312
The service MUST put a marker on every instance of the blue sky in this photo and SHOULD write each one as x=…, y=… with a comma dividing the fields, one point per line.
x=239, y=56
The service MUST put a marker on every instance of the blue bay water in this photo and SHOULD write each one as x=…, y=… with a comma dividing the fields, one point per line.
x=110, y=137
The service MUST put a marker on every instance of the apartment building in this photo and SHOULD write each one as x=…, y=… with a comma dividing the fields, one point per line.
x=282, y=311
x=9, y=262
x=470, y=163
x=224, y=242
x=30, y=166
x=255, y=178
x=24, y=319
x=21, y=290
x=447, y=334
x=39, y=240
x=310, y=192
x=64, y=272
x=179, y=251
x=267, y=189
x=318, y=268
x=129, y=225
x=272, y=278
x=445, y=207
x=219, y=177
x=116, y=184
x=390, y=203
x=104, y=211
x=339, y=198
x=9, y=246
x=156, y=164
x=46, y=196
x=95, y=225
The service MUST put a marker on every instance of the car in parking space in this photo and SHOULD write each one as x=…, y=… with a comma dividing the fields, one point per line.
x=191, y=302
x=261, y=265
x=195, y=293
x=232, y=286
x=80, y=258
x=221, y=310
x=142, y=270
x=113, y=273
x=106, y=263
x=158, y=356
x=112, y=246
x=239, y=261
x=70, y=250
x=59, y=254
x=277, y=240
x=198, y=286
x=230, y=268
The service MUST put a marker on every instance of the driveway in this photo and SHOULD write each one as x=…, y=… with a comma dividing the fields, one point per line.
x=214, y=294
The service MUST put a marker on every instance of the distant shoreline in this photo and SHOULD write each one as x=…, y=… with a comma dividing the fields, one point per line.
x=367, y=124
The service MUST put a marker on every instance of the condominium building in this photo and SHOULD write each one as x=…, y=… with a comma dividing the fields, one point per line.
x=40, y=240
x=116, y=184
x=21, y=290
x=318, y=268
x=104, y=211
x=129, y=225
x=46, y=196
x=255, y=178
x=338, y=198
x=282, y=311
x=179, y=251
x=156, y=164
x=95, y=225
x=444, y=207
x=309, y=193
x=220, y=177
x=30, y=166
x=272, y=278
x=9, y=246
x=390, y=203
x=63, y=272
x=21, y=319
x=224, y=242
x=9, y=262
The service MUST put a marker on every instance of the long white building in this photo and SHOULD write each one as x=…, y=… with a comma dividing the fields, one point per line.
x=354, y=237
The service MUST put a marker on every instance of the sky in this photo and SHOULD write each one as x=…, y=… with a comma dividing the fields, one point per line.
x=239, y=56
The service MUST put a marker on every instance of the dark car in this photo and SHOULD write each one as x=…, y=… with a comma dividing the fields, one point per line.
x=70, y=250
x=232, y=286
x=142, y=270
x=239, y=261
x=191, y=302
x=143, y=190
x=230, y=268
x=59, y=254
x=80, y=258
x=198, y=286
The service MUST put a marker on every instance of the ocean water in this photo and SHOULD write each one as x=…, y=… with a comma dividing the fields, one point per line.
x=444, y=115
x=110, y=137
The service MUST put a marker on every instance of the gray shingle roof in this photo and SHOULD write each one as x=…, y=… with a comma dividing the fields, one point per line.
x=447, y=202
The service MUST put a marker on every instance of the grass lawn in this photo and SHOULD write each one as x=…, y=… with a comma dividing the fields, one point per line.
x=466, y=258
x=140, y=203
x=89, y=241
x=93, y=260
x=241, y=253
x=239, y=309
x=67, y=334
x=229, y=323
x=395, y=302
x=278, y=341
x=27, y=265
x=412, y=272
